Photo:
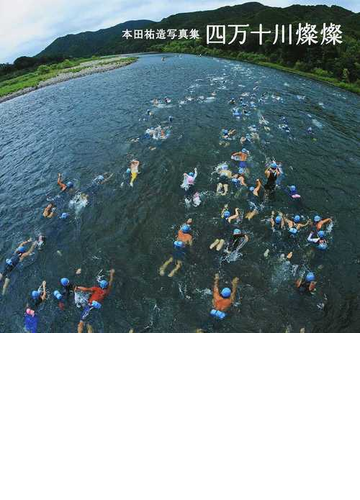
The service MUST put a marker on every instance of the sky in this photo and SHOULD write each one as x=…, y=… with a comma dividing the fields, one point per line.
x=28, y=26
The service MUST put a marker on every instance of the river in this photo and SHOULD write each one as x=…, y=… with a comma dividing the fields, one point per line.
x=85, y=127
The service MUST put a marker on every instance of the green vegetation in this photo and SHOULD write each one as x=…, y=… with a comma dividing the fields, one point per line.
x=45, y=72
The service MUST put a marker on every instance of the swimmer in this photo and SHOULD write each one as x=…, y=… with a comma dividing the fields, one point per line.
x=241, y=156
x=62, y=185
x=37, y=298
x=97, y=295
x=134, y=170
x=292, y=192
x=225, y=174
x=10, y=263
x=67, y=288
x=184, y=233
x=178, y=257
x=41, y=241
x=318, y=239
x=49, y=211
x=272, y=173
x=306, y=284
x=239, y=238
x=295, y=222
x=227, y=219
x=196, y=199
x=278, y=221
x=102, y=178
x=239, y=180
x=319, y=222
x=232, y=101
x=223, y=300
x=189, y=181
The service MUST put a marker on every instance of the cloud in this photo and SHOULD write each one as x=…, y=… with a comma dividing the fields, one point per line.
x=28, y=26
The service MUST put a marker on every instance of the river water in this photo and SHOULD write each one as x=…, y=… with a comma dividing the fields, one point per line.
x=89, y=126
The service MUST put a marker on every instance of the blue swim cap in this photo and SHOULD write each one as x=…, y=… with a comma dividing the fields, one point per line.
x=103, y=284
x=293, y=230
x=322, y=246
x=224, y=167
x=57, y=295
x=191, y=174
x=35, y=294
x=310, y=277
x=278, y=219
x=128, y=170
x=292, y=188
x=243, y=150
x=64, y=281
x=317, y=218
x=101, y=177
x=64, y=215
x=297, y=218
x=95, y=304
x=236, y=231
x=226, y=292
x=69, y=184
x=321, y=234
x=21, y=250
x=179, y=244
x=185, y=228
x=251, y=188
x=227, y=214
x=273, y=164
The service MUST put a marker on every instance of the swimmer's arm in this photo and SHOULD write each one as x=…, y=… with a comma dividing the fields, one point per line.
x=267, y=173
x=216, y=287
x=235, y=282
x=299, y=226
x=83, y=289
x=23, y=243
x=43, y=295
x=60, y=183
x=235, y=216
x=311, y=239
x=26, y=254
x=322, y=222
x=258, y=186
x=107, y=178
x=242, y=180
x=196, y=173
x=298, y=283
x=111, y=279
x=312, y=286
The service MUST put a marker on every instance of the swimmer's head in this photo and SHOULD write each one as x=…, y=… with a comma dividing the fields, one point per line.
x=185, y=228
x=103, y=284
x=317, y=218
x=278, y=219
x=251, y=188
x=69, y=184
x=310, y=277
x=321, y=234
x=227, y=214
x=322, y=246
x=297, y=218
x=64, y=281
x=292, y=188
x=293, y=230
x=128, y=171
x=101, y=178
x=226, y=292
x=35, y=294
x=64, y=215
x=21, y=250
x=95, y=304
x=30, y=312
x=273, y=164
x=236, y=231
x=243, y=150
x=224, y=167
x=179, y=244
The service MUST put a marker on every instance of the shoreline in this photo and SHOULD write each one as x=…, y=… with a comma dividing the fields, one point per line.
x=65, y=76
x=349, y=87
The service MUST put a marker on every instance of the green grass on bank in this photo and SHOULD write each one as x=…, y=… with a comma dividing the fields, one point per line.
x=45, y=72
x=259, y=59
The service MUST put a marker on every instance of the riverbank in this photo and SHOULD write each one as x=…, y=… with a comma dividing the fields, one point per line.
x=51, y=75
x=260, y=60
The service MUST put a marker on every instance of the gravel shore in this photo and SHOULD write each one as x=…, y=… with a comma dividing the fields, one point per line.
x=89, y=68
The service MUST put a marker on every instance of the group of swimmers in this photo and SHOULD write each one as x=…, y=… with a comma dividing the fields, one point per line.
x=233, y=236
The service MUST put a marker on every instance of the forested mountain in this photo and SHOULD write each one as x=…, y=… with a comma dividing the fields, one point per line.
x=90, y=43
